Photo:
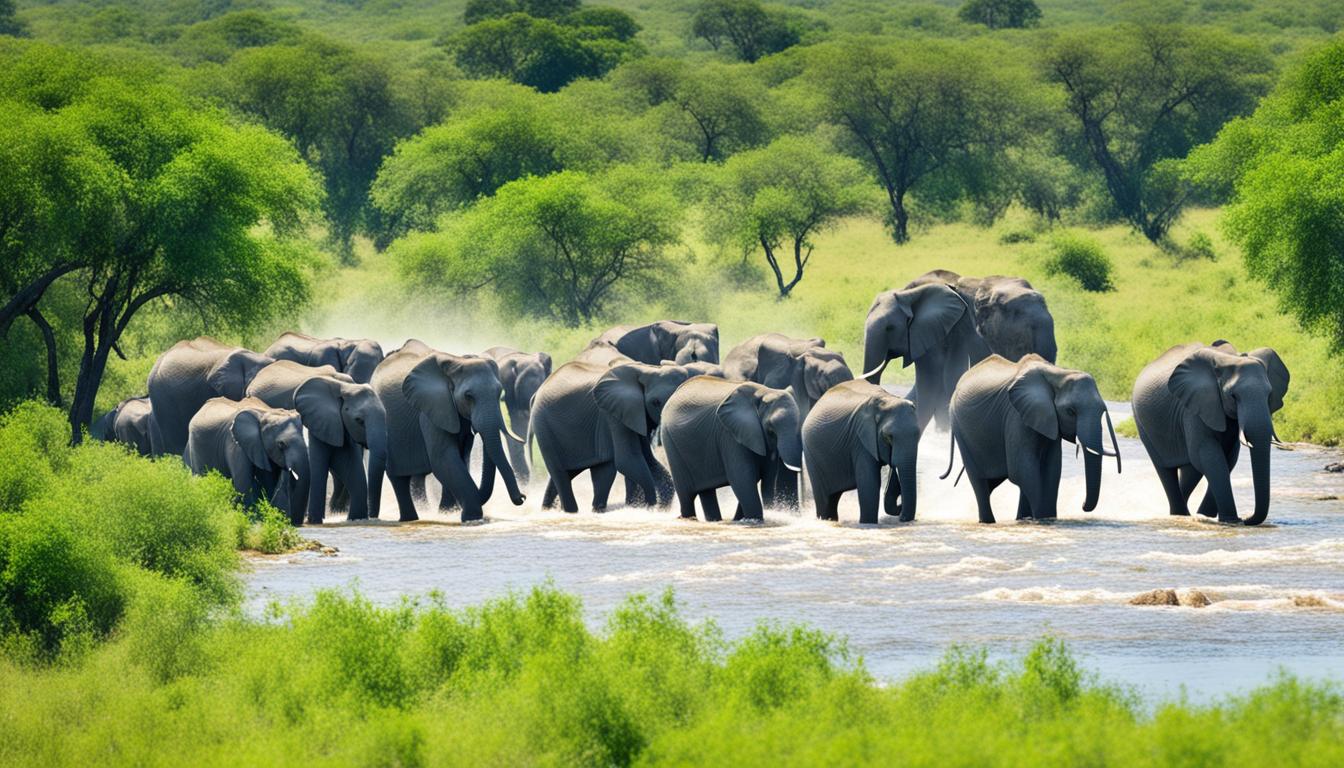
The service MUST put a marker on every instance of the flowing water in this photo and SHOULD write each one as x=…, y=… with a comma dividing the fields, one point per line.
x=901, y=594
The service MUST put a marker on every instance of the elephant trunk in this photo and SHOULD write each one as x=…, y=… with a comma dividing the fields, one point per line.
x=874, y=355
x=490, y=426
x=1089, y=435
x=377, y=468
x=1045, y=342
x=1259, y=431
x=903, y=463
x=296, y=461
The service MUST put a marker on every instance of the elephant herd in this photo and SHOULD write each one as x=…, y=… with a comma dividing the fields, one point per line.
x=315, y=423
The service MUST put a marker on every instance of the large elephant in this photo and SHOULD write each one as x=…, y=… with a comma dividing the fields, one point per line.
x=599, y=418
x=187, y=375
x=804, y=366
x=355, y=358
x=343, y=420
x=260, y=448
x=1011, y=317
x=521, y=374
x=131, y=422
x=1191, y=406
x=675, y=340
x=930, y=325
x=435, y=403
x=854, y=430
x=733, y=433
x=1009, y=418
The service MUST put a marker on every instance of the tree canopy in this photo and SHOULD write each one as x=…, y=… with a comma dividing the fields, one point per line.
x=1000, y=14
x=746, y=27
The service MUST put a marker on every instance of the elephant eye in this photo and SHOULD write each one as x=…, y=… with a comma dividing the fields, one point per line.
x=281, y=445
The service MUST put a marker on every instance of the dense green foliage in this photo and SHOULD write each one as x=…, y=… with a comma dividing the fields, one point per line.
x=1285, y=165
x=1081, y=258
x=747, y=28
x=1001, y=14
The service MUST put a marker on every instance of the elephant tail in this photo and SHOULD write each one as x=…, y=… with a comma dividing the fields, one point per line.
x=951, y=459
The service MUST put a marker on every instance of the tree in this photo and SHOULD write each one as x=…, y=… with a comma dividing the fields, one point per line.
x=344, y=110
x=748, y=27
x=1142, y=97
x=170, y=202
x=9, y=25
x=1001, y=14
x=480, y=10
x=539, y=52
x=920, y=116
x=1284, y=166
x=558, y=246
x=714, y=110
x=777, y=198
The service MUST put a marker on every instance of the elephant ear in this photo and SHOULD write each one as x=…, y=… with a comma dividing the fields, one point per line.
x=1195, y=385
x=1278, y=375
x=328, y=353
x=868, y=417
x=229, y=376
x=318, y=401
x=246, y=429
x=814, y=381
x=429, y=388
x=738, y=415
x=545, y=361
x=1033, y=397
x=621, y=394
x=936, y=308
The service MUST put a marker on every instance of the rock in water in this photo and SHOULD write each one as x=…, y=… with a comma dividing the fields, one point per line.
x=1193, y=598
x=1335, y=466
x=1156, y=597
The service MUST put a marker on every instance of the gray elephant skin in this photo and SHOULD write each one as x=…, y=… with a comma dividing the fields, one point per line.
x=943, y=339
x=675, y=340
x=187, y=375
x=343, y=420
x=1009, y=418
x=436, y=403
x=733, y=433
x=854, y=430
x=595, y=417
x=521, y=375
x=260, y=448
x=356, y=358
x=131, y=423
x=1193, y=405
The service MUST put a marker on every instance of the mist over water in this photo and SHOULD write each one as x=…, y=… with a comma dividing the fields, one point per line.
x=901, y=594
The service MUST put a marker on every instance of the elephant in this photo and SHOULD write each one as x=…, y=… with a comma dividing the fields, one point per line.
x=131, y=422
x=187, y=375
x=343, y=419
x=599, y=418
x=850, y=434
x=1009, y=418
x=733, y=433
x=435, y=403
x=675, y=340
x=521, y=375
x=930, y=325
x=1011, y=317
x=260, y=448
x=1191, y=406
x=355, y=358
x=805, y=366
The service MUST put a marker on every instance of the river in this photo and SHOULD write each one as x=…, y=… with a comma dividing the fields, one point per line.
x=901, y=594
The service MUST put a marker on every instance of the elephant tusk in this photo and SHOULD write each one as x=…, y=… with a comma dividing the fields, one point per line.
x=510, y=433
x=790, y=467
x=1242, y=437
x=881, y=367
x=1078, y=446
x=1114, y=443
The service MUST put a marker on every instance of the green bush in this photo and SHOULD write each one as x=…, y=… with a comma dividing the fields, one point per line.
x=1199, y=246
x=1016, y=235
x=1081, y=258
x=34, y=444
x=267, y=530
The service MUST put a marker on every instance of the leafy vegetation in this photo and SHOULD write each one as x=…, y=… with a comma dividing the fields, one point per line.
x=1081, y=258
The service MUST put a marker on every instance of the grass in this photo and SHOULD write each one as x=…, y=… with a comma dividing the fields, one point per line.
x=1158, y=300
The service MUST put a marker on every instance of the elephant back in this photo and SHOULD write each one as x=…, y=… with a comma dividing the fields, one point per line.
x=132, y=423
x=406, y=454
x=209, y=435
x=691, y=430
x=566, y=417
x=179, y=384
x=277, y=384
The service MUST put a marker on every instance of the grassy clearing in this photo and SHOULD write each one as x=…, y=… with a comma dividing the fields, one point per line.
x=1158, y=300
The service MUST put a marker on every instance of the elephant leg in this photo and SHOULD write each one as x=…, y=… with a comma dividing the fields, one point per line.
x=417, y=488
x=604, y=476
x=1208, y=506
x=709, y=502
x=1212, y=463
x=1051, y=468
x=825, y=503
x=1171, y=486
x=662, y=479
x=1023, y=507
x=319, y=463
x=549, y=496
x=340, y=497
x=891, y=503
x=628, y=455
x=487, y=475
x=1189, y=480
x=868, y=481
x=452, y=472
x=982, y=487
x=518, y=458
x=349, y=466
x=686, y=503
x=402, y=487
x=745, y=484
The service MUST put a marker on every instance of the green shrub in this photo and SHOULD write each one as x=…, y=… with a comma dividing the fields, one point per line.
x=1199, y=246
x=34, y=444
x=1016, y=235
x=1081, y=258
x=267, y=530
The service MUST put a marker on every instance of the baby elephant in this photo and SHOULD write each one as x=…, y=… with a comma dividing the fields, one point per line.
x=851, y=432
x=259, y=447
x=1009, y=419
x=730, y=433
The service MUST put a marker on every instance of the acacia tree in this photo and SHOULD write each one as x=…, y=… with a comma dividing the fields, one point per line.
x=556, y=246
x=919, y=114
x=1142, y=96
x=751, y=29
x=712, y=110
x=776, y=199
x=168, y=202
x=1284, y=166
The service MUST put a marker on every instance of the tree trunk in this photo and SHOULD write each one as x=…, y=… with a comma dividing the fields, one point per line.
x=900, y=219
x=53, y=368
